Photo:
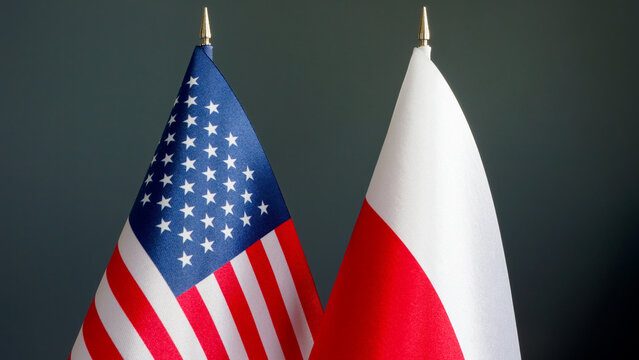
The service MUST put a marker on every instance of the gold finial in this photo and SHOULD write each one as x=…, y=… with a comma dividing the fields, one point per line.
x=205, y=29
x=424, y=34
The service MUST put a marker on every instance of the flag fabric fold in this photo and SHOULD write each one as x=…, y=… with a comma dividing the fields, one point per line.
x=208, y=265
x=424, y=275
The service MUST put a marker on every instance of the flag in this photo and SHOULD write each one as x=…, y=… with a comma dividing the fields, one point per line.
x=424, y=275
x=208, y=264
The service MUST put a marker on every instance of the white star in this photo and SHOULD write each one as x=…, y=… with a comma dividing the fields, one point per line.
x=210, y=197
x=188, y=187
x=169, y=138
x=245, y=220
x=211, y=151
x=227, y=232
x=149, y=179
x=248, y=173
x=172, y=118
x=166, y=180
x=190, y=120
x=190, y=101
x=228, y=208
x=177, y=99
x=208, y=221
x=230, y=162
x=192, y=81
x=212, y=107
x=210, y=174
x=163, y=225
x=263, y=208
x=208, y=245
x=246, y=196
x=230, y=185
x=185, y=259
x=212, y=129
x=187, y=210
x=167, y=159
x=155, y=158
x=189, y=164
x=189, y=142
x=164, y=202
x=231, y=139
x=145, y=199
x=185, y=235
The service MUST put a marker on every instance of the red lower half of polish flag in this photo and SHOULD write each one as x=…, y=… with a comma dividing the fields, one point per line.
x=383, y=306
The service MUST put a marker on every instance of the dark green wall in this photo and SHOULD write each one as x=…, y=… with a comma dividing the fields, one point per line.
x=549, y=89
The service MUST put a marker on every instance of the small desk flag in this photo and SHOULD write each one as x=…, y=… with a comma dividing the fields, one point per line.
x=208, y=265
x=424, y=275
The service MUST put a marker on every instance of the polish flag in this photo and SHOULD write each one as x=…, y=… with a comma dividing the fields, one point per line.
x=424, y=275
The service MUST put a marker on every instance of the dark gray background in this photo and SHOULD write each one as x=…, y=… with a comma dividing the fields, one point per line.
x=549, y=89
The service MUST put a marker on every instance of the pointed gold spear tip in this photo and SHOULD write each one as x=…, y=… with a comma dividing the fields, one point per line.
x=424, y=33
x=205, y=29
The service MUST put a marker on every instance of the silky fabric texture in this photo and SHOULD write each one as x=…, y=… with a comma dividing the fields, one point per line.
x=383, y=306
x=430, y=187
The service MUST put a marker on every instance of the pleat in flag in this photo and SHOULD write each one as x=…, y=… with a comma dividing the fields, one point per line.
x=208, y=265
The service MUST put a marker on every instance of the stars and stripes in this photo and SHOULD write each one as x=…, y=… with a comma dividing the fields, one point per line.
x=208, y=264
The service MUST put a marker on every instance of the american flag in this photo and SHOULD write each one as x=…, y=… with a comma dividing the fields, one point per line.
x=208, y=264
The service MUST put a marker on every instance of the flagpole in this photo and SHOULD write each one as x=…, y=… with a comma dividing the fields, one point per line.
x=424, y=33
x=205, y=28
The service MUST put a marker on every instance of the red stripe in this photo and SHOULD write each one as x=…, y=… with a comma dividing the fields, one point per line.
x=139, y=311
x=383, y=305
x=202, y=323
x=240, y=311
x=302, y=277
x=96, y=339
x=274, y=302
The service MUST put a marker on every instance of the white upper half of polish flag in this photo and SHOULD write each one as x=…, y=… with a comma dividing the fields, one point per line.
x=430, y=187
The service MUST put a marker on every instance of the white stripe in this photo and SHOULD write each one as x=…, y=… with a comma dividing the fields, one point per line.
x=158, y=293
x=117, y=324
x=257, y=305
x=216, y=304
x=289, y=293
x=430, y=187
x=79, y=351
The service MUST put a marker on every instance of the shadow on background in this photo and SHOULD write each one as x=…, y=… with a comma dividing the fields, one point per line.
x=612, y=331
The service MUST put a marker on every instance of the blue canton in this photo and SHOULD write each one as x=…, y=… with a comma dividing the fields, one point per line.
x=209, y=192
